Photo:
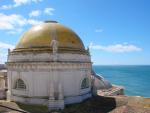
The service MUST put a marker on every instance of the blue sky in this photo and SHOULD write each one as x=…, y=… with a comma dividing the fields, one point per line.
x=116, y=31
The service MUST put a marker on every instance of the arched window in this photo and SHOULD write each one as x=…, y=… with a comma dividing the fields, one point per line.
x=20, y=84
x=85, y=83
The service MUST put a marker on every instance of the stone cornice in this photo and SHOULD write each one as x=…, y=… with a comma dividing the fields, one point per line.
x=48, y=66
x=49, y=50
x=46, y=57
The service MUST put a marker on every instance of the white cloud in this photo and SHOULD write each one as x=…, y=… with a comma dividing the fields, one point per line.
x=8, y=22
x=23, y=2
x=14, y=23
x=17, y=3
x=4, y=50
x=14, y=31
x=34, y=22
x=117, y=48
x=34, y=13
x=3, y=56
x=49, y=11
x=99, y=30
x=6, y=7
x=6, y=46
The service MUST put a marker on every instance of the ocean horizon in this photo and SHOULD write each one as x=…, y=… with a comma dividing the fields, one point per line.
x=134, y=78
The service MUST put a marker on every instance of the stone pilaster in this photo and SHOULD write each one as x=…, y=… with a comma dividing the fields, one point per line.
x=51, y=93
x=60, y=92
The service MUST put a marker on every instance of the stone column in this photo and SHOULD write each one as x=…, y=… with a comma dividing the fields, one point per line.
x=60, y=92
x=51, y=93
x=8, y=95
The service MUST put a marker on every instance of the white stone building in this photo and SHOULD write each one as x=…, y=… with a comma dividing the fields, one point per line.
x=50, y=66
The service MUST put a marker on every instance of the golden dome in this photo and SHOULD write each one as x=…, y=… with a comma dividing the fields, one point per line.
x=39, y=38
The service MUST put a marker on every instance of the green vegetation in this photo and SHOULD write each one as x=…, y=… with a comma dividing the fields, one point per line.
x=92, y=105
x=97, y=104
x=33, y=108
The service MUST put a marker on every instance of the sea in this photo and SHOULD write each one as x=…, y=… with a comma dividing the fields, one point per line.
x=134, y=78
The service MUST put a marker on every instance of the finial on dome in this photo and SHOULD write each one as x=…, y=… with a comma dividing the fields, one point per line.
x=50, y=21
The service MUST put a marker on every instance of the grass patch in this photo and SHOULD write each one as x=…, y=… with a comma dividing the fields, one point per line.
x=33, y=108
x=92, y=105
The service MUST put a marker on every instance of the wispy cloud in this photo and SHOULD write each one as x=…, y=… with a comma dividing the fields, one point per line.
x=8, y=22
x=17, y=3
x=15, y=23
x=3, y=56
x=34, y=13
x=6, y=46
x=23, y=2
x=33, y=22
x=14, y=31
x=49, y=11
x=6, y=7
x=46, y=11
x=99, y=30
x=117, y=48
x=4, y=50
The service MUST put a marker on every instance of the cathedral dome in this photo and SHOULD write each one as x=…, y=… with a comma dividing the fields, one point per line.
x=39, y=38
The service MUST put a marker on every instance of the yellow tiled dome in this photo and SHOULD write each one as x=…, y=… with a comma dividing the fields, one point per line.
x=39, y=37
